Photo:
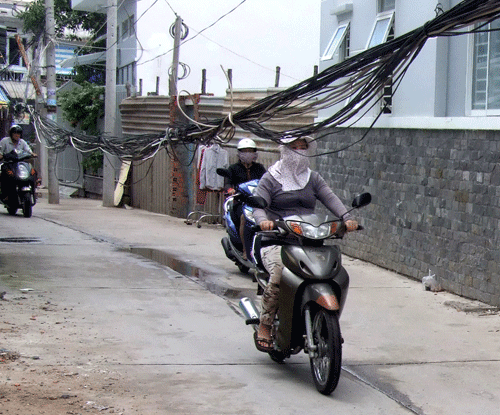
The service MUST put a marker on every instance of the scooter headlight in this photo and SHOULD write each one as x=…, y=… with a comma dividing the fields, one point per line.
x=23, y=172
x=323, y=231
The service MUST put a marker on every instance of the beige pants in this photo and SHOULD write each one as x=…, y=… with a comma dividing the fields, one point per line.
x=271, y=258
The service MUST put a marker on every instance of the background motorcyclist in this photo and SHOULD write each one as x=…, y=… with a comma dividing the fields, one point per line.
x=289, y=187
x=12, y=142
x=244, y=170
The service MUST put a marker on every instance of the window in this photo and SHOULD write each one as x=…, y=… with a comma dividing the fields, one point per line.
x=386, y=5
x=125, y=29
x=126, y=74
x=14, y=56
x=386, y=103
x=381, y=30
x=486, y=69
x=131, y=25
x=339, y=41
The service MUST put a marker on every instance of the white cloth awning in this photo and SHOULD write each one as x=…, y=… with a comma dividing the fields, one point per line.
x=89, y=59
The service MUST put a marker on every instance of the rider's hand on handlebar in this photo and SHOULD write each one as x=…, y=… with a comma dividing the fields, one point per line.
x=267, y=225
x=351, y=225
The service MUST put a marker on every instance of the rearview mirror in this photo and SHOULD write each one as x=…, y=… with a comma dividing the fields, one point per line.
x=361, y=200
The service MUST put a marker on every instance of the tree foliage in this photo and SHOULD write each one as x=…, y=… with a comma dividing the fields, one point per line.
x=84, y=106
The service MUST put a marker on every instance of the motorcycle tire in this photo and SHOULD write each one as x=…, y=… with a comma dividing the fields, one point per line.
x=27, y=206
x=326, y=362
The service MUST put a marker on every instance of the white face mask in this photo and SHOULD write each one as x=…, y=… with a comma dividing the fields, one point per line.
x=247, y=158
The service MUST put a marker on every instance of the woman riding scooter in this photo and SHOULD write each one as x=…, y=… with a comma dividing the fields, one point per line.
x=290, y=187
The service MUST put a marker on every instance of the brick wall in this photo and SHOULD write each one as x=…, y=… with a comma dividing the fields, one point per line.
x=435, y=203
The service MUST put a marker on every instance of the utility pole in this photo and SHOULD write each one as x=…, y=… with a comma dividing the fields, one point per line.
x=108, y=183
x=175, y=60
x=50, y=58
x=178, y=198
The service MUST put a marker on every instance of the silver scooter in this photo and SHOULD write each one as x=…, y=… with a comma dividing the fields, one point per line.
x=313, y=290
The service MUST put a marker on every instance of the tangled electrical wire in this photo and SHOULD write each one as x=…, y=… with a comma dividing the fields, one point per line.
x=358, y=81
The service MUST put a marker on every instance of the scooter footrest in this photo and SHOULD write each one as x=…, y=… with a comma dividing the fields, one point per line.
x=252, y=321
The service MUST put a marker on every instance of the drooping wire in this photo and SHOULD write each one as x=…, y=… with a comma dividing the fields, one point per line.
x=352, y=88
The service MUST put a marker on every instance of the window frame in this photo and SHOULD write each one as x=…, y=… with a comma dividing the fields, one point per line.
x=472, y=79
x=380, y=17
x=381, y=8
x=330, y=51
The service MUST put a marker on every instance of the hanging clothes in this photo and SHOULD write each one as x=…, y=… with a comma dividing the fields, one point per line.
x=214, y=157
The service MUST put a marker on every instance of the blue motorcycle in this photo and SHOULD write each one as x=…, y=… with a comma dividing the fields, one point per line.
x=237, y=205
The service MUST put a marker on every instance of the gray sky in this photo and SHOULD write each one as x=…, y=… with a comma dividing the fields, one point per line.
x=252, y=40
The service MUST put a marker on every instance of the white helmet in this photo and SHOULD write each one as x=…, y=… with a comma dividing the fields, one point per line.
x=246, y=143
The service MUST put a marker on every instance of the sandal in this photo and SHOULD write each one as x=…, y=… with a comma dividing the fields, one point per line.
x=262, y=344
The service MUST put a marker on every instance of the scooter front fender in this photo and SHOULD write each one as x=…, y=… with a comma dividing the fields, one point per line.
x=321, y=294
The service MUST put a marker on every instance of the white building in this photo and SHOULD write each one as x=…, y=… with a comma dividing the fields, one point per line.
x=453, y=83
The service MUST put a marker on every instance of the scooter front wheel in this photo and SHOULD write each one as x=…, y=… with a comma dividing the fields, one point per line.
x=326, y=360
x=27, y=206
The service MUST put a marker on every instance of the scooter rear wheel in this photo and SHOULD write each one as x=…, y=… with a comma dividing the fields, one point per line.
x=326, y=362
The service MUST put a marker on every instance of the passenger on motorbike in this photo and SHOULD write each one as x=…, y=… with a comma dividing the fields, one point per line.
x=244, y=170
x=289, y=187
x=13, y=142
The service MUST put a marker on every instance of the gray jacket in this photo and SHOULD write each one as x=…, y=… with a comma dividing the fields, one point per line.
x=296, y=202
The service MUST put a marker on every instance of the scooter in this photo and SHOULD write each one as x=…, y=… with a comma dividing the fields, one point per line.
x=232, y=244
x=20, y=178
x=313, y=291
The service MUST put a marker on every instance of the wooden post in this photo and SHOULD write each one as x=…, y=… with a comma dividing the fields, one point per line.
x=277, y=80
x=203, y=81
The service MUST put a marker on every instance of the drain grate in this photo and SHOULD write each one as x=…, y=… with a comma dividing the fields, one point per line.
x=20, y=239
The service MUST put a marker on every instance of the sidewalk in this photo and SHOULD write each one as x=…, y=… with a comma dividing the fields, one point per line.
x=436, y=353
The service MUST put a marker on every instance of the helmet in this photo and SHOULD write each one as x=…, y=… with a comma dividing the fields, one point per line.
x=246, y=143
x=15, y=129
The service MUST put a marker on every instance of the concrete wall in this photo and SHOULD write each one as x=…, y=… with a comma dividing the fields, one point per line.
x=435, y=203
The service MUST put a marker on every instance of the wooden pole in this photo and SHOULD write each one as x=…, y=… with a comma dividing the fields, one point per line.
x=277, y=80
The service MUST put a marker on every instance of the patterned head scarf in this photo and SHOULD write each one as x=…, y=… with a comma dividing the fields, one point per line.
x=292, y=169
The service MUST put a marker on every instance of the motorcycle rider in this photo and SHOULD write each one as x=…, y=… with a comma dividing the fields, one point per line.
x=289, y=187
x=12, y=142
x=244, y=170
